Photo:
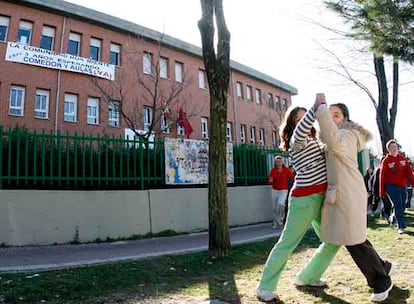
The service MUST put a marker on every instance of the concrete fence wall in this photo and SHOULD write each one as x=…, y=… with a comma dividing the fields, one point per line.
x=34, y=217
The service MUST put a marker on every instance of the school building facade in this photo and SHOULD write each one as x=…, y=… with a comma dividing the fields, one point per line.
x=69, y=68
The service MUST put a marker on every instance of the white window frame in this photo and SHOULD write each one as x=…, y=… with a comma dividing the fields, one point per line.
x=49, y=31
x=164, y=124
x=252, y=135
x=270, y=101
x=258, y=96
x=261, y=137
x=113, y=113
x=163, y=67
x=147, y=118
x=18, y=109
x=179, y=70
x=92, y=104
x=204, y=127
x=116, y=49
x=239, y=89
x=180, y=130
x=242, y=133
x=28, y=26
x=77, y=38
x=71, y=99
x=229, y=131
x=41, y=112
x=5, y=21
x=147, y=63
x=249, y=93
x=97, y=43
x=202, y=79
x=274, y=138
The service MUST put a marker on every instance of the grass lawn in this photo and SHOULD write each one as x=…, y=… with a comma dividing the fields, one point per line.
x=197, y=277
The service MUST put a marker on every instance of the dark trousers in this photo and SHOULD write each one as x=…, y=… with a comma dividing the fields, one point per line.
x=371, y=265
x=398, y=197
x=387, y=207
x=409, y=195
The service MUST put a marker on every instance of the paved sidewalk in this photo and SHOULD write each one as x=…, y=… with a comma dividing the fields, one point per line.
x=43, y=258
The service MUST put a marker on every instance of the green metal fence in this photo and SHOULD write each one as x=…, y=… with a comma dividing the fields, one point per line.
x=32, y=160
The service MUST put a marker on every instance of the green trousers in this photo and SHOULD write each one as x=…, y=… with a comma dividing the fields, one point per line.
x=303, y=211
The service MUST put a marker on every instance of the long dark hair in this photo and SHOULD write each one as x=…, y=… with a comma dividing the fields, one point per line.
x=288, y=126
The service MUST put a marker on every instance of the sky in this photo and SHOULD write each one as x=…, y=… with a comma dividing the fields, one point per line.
x=285, y=40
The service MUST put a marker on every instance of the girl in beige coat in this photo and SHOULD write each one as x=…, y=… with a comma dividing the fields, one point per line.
x=344, y=210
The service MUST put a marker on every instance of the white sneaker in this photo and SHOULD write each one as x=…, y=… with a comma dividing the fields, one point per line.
x=381, y=296
x=401, y=231
x=392, y=269
x=266, y=295
x=318, y=283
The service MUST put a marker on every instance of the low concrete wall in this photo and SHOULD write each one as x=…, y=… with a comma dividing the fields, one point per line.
x=29, y=217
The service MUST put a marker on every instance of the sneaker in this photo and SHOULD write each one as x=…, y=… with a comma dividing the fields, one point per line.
x=392, y=269
x=318, y=283
x=381, y=296
x=392, y=220
x=401, y=231
x=266, y=295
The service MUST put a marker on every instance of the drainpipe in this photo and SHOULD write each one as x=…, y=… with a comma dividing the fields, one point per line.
x=236, y=118
x=62, y=36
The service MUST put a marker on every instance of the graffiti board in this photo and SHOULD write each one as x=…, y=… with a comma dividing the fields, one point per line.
x=186, y=161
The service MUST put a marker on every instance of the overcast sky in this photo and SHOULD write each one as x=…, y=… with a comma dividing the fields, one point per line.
x=278, y=38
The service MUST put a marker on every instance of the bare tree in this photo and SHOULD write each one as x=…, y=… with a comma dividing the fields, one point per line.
x=140, y=87
x=218, y=75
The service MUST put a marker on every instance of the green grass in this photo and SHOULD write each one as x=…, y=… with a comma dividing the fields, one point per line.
x=197, y=277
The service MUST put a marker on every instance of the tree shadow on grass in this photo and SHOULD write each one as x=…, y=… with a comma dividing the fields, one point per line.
x=398, y=296
x=321, y=293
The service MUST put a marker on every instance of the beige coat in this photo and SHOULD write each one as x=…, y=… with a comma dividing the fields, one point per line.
x=344, y=212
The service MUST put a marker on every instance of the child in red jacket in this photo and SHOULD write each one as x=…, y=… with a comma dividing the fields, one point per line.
x=395, y=170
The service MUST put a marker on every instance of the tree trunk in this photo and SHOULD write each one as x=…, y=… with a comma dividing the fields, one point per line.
x=382, y=109
x=218, y=75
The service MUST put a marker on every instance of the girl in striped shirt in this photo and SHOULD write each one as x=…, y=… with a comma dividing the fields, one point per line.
x=308, y=158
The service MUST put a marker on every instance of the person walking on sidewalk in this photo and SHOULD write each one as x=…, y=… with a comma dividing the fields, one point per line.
x=395, y=170
x=344, y=215
x=280, y=176
x=305, y=202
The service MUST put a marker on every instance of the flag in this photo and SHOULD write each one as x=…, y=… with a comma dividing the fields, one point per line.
x=183, y=122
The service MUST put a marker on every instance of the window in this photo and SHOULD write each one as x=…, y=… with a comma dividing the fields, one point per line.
x=164, y=124
x=274, y=138
x=163, y=67
x=24, y=34
x=242, y=134
x=180, y=130
x=71, y=108
x=4, y=27
x=278, y=104
x=229, y=131
x=204, y=127
x=92, y=111
x=113, y=114
x=239, y=89
x=147, y=118
x=147, y=63
x=284, y=104
x=261, y=137
x=115, y=54
x=42, y=104
x=48, y=36
x=16, y=106
x=258, y=97
x=252, y=135
x=271, y=103
x=95, y=49
x=202, y=79
x=179, y=69
x=74, y=44
x=249, y=93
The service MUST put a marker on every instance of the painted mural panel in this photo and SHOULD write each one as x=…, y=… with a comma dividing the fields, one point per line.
x=186, y=161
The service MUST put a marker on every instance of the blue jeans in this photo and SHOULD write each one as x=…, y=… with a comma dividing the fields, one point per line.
x=397, y=196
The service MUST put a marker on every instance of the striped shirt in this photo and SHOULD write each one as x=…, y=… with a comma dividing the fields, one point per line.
x=307, y=154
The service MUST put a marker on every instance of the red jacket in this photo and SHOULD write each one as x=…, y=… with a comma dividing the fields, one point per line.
x=395, y=171
x=279, y=180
